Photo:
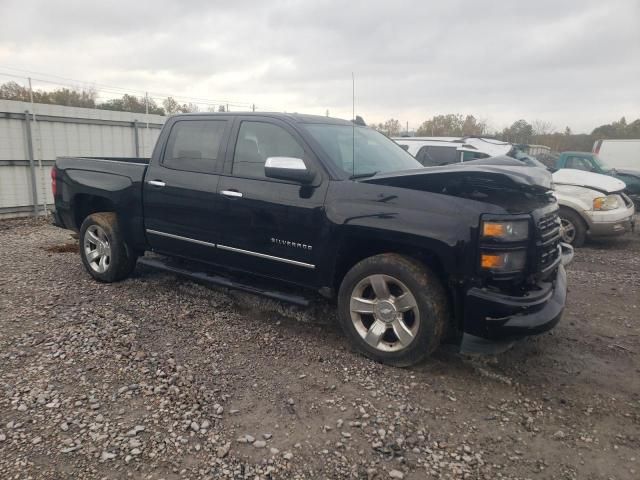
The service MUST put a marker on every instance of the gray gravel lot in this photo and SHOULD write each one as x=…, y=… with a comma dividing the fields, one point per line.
x=159, y=378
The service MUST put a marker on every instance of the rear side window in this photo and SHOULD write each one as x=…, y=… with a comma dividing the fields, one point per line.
x=258, y=141
x=194, y=145
x=467, y=155
x=435, y=155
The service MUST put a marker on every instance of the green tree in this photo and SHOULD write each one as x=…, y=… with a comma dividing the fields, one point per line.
x=61, y=96
x=131, y=103
x=520, y=131
x=391, y=128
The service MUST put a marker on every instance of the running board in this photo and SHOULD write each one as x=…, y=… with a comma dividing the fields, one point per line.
x=200, y=275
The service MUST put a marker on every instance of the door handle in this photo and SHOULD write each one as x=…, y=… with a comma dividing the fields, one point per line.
x=156, y=183
x=231, y=193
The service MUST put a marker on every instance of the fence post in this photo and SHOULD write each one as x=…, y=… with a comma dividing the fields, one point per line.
x=135, y=136
x=32, y=166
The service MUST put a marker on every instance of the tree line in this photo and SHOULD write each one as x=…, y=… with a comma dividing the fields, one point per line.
x=88, y=98
x=538, y=132
x=449, y=125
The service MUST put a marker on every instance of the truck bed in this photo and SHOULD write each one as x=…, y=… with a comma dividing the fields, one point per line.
x=115, y=183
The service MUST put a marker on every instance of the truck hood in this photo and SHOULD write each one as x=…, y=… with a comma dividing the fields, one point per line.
x=534, y=180
x=595, y=181
x=514, y=189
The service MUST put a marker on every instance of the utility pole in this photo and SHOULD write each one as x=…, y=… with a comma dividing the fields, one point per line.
x=407, y=128
x=33, y=114
x=253, y=107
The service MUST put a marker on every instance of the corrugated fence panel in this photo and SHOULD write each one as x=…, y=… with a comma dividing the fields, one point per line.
x=10, y=178
x=62, y=131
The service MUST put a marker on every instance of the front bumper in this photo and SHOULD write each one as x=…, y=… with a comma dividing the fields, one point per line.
x=613, y=222
x=492, y=320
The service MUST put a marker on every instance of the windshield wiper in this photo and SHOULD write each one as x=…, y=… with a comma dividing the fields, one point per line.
x=363, y=175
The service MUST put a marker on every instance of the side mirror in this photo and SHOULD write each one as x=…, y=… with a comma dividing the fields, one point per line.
x=288, y=168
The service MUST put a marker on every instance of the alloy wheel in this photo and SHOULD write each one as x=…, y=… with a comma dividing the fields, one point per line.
x=567, y=231
x=384, y=312
x=97, y=249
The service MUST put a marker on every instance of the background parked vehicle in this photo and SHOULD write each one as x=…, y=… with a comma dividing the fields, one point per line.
x=623, y=154
x=591, y=205
x=592, y=162
x=411, y=254
x=438, y=151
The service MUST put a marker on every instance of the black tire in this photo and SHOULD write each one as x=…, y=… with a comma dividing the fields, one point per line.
x=579, y=227
x=121, y=258
x=430, y=299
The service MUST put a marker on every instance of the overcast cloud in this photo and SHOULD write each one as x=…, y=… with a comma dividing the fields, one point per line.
x=573, y=63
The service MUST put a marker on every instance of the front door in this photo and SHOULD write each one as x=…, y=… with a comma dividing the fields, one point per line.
x=179, y=194
x=271, y=227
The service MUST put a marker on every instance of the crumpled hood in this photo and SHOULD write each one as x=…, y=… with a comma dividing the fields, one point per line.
x=595, y=181
x=534, y=180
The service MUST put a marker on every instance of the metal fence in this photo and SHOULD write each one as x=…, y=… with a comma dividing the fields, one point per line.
x=33, y=135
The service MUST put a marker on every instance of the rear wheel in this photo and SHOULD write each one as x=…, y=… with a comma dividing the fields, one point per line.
x=393, y=309
x=104, y=252
x=572, y=228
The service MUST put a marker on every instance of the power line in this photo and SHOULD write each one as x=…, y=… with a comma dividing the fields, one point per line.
x=120, y=90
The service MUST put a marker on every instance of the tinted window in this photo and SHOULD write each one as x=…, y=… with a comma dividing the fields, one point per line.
x=466, y=156
x=435, y=155
x=194, y=145
x=258, y=141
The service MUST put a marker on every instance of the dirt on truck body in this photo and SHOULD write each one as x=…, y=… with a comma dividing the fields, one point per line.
x=158, y=377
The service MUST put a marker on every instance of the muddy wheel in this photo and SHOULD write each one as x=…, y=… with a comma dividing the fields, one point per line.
x=393, y=309
x=103, y=250
x=572, y=228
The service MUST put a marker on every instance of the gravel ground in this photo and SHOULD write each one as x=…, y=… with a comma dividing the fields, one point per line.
x=157, y=377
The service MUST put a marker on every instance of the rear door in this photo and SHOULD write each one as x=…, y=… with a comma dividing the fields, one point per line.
x=271, y=227
x=179, y=193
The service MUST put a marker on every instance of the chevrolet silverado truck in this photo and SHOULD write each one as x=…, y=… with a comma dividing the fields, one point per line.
x=269, y=202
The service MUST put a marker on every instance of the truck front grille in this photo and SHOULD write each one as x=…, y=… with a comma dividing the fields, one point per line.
x=549, y=241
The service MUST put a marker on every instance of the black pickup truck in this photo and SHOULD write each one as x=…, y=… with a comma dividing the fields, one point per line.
x=411, y=254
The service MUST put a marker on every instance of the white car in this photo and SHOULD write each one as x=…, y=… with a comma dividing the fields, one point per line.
x=591, y=205
x=437, y=151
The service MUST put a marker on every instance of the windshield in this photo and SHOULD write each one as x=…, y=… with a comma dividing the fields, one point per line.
x=374, y=152
x=601, y=163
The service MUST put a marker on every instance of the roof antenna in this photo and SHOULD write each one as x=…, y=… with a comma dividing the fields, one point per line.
x=353, y=124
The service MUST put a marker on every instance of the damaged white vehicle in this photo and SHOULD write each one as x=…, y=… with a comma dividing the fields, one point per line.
x=592, y=205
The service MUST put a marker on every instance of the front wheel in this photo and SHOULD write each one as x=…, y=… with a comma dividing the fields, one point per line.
x=104, y=252
x=572, y=228
x=393, y=309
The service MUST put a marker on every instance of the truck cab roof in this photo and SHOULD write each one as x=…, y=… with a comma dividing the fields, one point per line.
x=288, y=117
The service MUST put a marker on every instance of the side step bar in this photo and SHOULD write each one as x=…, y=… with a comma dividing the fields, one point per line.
x=201, y=276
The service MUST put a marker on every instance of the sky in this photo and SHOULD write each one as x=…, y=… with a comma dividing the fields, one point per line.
x=571, y=63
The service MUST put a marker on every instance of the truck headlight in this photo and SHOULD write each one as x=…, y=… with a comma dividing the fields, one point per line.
x=503, y=261
x=511, y=231
x=610, y=202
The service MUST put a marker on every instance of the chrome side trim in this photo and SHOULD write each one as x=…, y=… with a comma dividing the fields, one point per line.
x=268, y=257
x=178, y=237
x=231, y=193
